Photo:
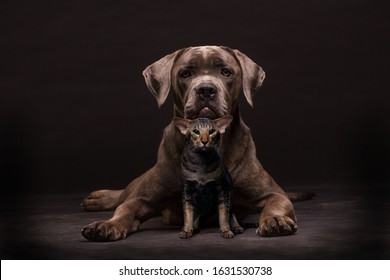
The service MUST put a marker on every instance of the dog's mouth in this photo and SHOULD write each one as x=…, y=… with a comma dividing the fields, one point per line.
x=206, y=112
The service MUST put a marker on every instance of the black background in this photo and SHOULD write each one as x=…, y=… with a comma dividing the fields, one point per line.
x=75, y=114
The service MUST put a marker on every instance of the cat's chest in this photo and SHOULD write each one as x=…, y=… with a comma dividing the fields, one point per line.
x=201, y=168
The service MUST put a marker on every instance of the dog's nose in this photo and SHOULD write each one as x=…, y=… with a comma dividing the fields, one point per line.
x=206, y=91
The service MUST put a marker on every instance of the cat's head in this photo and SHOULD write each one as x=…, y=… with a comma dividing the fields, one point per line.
x=203, y=132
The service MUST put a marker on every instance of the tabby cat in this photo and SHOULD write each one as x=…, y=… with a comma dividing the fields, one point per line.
x=207, y=185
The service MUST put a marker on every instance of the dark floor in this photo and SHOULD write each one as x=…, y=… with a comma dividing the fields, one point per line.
x=339, y=223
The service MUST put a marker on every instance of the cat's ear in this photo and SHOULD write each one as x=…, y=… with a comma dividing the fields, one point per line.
x=222, y=123
x=252, y=76
x=158, y=76
x=182, y=124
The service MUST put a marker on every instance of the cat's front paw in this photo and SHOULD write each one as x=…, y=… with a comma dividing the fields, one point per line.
x=227, y=234
x=238, y=229
x=185, y=234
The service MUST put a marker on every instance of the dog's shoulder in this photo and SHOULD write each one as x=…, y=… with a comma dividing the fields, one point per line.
x=171, y=145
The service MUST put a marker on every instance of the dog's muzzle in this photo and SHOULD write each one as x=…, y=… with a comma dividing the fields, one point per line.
x=206, y=91
x=206, y=100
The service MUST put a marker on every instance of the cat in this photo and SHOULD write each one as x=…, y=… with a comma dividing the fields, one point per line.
x=207, y=185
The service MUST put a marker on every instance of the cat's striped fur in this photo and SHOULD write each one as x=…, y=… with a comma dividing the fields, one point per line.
x=207, y=185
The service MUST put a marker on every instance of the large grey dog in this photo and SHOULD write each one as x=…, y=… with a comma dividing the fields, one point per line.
x=205, y=81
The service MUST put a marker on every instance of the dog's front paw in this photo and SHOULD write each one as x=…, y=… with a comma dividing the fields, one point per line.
x=227, y=234
x=186, y=234
x=104, y=231
x=276, y=226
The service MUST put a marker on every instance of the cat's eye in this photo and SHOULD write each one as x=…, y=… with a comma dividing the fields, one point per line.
x=211, y=131
x=195, y=131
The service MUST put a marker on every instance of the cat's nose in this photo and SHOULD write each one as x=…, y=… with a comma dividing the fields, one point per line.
x=204, y=142
x=206, y=90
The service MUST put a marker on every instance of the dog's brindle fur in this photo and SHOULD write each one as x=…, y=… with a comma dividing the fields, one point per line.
x=206, y=82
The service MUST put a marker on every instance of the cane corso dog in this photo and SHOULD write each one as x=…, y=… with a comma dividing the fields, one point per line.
x=205, y=81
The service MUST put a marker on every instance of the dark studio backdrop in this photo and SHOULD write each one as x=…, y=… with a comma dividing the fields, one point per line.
x=76, y=114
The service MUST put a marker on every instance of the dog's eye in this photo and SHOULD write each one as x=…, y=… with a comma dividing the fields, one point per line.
x=185, y=74
x=211, y=131
x=195, y=131
x=226, y=72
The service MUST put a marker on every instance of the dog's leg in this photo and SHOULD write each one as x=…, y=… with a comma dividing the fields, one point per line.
x=127, y=218
x=173, y=214
x=144, y=197
x=102, y=200
x=277, y=217
x=256, y=192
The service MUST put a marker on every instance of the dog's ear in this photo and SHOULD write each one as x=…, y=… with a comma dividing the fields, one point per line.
x=222, y=123
x=182, y=124
x=158, y=77
x=252, y=76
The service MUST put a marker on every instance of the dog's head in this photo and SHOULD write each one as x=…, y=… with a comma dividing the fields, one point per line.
x=206, y=81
